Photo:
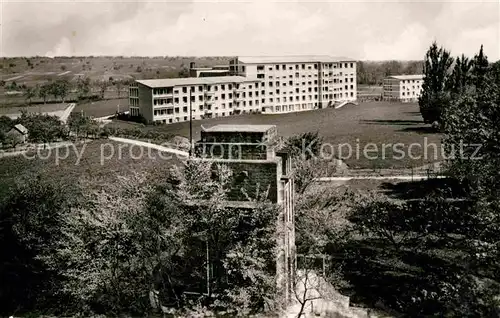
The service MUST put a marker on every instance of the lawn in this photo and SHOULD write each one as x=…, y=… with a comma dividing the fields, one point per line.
x=69, y=171
x=47, y=108
x=368, y=127
x=103, y=107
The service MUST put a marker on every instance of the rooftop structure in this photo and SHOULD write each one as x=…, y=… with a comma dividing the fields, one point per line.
x=239, y=128
x=292, y=59
x=170, y=82
x=407, y=77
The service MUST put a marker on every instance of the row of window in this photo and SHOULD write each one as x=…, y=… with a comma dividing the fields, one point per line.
x=410, y=81
x=170, y=90
x=304, y=66
x=201, y=88
x=413, y=87
x=201, y=98
x=296, y=107
x=195, y=117
x=134, y=102
x=408, y=94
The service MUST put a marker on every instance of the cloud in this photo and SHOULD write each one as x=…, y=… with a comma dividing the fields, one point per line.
x=63, y=48
x=363, y=30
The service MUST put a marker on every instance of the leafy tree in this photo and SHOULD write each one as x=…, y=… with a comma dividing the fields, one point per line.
x=460, y=78
x=30, y=226
x=237, y=252
x=83, y=125
x=42, y=128
x=133, y=243
x=44, y=92
x=434, y=98
x=103, y=86
x=119, y=86
x=62, y=87
x=83, y=86
x=480, y=70
x=30, y=93
x=99, y=254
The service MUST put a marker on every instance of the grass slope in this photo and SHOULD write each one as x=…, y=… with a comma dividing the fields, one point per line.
x=378, y=123
x=68, y=171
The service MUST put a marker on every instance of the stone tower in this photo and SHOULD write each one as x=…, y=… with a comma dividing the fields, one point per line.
x=253, y=153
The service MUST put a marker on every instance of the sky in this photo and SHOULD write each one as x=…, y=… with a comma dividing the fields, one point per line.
x=364, y=30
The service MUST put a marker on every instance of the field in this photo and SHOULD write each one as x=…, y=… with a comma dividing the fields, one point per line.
x=48, y=108
x=39, y=70
x=371, y=125
x=103, y=107
x=69, y=170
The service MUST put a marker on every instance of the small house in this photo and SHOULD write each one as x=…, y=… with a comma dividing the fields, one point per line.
x=18, y=134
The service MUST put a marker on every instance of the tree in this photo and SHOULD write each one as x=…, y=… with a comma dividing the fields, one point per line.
x=42, y=128
x=83, y=125
x=44, y=91
x=434, y=98
x=228, y=252
x=132, y=242
x=119, y=86
x=103, y=86
x=480, y=70
x=460, y=78
x=30, y=226
x=62, y=87
x=30, y=93
x=99, y=253
x=83, y=86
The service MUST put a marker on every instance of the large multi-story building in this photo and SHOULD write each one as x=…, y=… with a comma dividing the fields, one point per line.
x=259, y=167
x=404, y=88
x=296, y=83
x=173, y=100
x=254, y=84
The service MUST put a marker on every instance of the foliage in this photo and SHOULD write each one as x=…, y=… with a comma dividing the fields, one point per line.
x=83, y=86
x=373, y=73
x=44, y=92
x=111, y=248
x=461, y=76
x=30, y=93
x=42, y=128
x=480, y=70
x=30, y=227
x=59, y=88
x=437, y=255
x=434, y=98
x=99, y=255
x=237, y=245
x=83, y=126
x=103, y=86
x=306, y=145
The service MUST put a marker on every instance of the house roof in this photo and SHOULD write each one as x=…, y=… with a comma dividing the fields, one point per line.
x=238, y=128
x=21, y=129
x=292, y=59
x=408, y=77
x=169, y=82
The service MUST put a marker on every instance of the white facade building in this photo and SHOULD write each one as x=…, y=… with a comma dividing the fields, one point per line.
x=297, y=83
x=255, y=85
x=405, y=88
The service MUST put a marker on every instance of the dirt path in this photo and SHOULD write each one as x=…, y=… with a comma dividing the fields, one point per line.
x=180, y=153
